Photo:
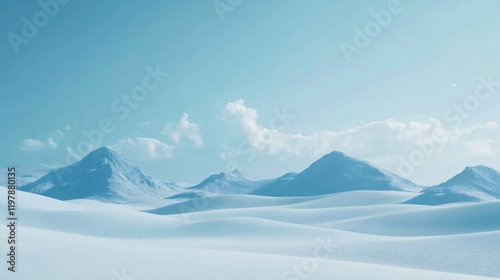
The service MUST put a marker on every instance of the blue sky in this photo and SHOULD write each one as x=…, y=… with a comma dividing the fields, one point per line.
x=264, y=86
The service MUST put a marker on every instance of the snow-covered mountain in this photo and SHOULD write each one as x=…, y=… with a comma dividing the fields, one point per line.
x=224, y=183
x=107, y=176
x=473, y=184
x=104, y=175
x=337, y=172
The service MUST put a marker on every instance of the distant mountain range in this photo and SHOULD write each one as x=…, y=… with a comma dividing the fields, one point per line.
x=27, y=175
x=107, y=176
x=235, y=182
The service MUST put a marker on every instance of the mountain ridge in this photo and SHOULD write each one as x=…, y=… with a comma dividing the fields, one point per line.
x=337, y=172
x=107, y=176
x=223, y=183
x=103, y=175
x=474, y=184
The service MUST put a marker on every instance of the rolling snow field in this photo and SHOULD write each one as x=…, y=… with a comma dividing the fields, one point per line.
x=361, y=234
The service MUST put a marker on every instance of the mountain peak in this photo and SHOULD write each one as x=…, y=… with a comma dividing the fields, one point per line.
x=339, y=158
x=240, y=174
x=473, y=184
x=338, y=155
x=234, y=182
x=473, y=173
x=102, y=153
x=237, y=172
x=337, y=172
x=340, y=163
x=479, y=169
x=228, y=176
x=102, y=174
x=103, y=156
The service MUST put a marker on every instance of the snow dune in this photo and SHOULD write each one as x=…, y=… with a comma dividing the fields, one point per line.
x=368, y=235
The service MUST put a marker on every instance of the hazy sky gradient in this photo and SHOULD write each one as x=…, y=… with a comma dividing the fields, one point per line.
x=231, y=77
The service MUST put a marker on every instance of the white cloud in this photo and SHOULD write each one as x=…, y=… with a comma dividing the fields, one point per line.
x=143, y=148
x=31, y=145
x=51, y=144
x=376, y=141
x=183, y=128
x=481, y=148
